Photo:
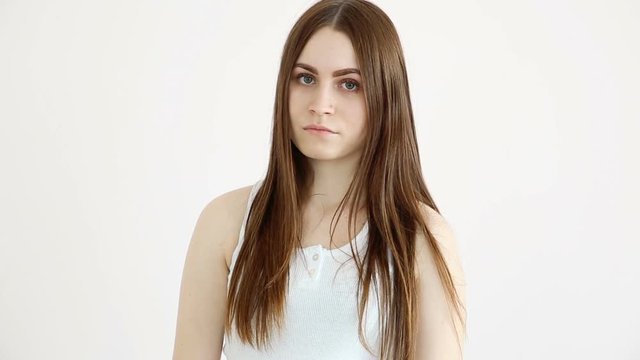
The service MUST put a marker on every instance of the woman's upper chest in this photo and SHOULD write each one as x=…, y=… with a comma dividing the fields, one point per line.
x=318, y=229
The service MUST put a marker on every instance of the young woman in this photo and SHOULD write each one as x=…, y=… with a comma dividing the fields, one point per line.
x=340, y=251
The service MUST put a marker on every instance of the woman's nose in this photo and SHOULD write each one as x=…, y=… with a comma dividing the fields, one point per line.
x=322, y=101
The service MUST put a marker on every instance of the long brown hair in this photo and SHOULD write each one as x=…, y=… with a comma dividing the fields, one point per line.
x=388, y=179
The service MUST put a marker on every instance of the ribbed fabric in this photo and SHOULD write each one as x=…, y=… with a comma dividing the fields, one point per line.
x=321, y=316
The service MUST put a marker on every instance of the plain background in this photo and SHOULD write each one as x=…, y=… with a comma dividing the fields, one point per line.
x=120, y=120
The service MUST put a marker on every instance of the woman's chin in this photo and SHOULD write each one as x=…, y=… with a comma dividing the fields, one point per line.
x=327, y=153
x=320, y=154
x=321, y=157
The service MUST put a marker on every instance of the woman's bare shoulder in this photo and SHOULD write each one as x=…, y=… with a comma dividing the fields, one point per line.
x=447, y=241
x=225, y=214
x=234, y=200
x=199, y=329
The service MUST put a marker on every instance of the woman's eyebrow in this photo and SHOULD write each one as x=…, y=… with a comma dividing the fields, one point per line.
x=335, y=73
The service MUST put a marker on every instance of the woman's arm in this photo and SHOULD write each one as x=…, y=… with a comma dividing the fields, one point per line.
x=436, y=332
x=202, y=305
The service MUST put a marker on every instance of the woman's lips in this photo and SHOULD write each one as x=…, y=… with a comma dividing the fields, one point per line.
x=319, y=129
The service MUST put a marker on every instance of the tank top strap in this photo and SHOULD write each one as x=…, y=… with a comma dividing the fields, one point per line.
x=236, y=251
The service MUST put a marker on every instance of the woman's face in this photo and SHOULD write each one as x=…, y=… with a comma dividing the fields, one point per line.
x=325, y=91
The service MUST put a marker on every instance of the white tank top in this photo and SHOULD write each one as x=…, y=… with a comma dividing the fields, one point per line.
x=321, y=313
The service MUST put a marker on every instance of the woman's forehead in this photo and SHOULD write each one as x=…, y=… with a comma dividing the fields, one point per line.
x=328, y=50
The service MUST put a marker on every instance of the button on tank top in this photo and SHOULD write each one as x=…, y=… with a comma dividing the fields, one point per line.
x=321, y=311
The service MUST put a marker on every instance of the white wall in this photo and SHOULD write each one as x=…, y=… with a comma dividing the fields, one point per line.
x=120, y=120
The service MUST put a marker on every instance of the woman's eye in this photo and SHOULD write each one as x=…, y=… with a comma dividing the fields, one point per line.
x=303, y=77
x=351, y=85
